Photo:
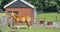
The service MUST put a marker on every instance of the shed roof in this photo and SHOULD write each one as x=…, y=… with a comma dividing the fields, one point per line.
x=19, y=3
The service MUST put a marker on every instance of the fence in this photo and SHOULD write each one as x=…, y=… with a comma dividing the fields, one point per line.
x=3, y=24
x=48, y=19
x=49, y=16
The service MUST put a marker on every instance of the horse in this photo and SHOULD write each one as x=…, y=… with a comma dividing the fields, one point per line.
x=21, y=19
x=10, y=21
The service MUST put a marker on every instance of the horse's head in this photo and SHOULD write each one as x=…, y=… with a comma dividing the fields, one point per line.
x=13, y=15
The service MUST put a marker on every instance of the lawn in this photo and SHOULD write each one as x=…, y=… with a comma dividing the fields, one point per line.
x=49, y=16
x=36, y=29
x=40, y=30
x=2, y=14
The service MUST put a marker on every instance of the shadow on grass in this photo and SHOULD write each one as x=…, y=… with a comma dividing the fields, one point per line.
x=23, y=28
x=19, y=28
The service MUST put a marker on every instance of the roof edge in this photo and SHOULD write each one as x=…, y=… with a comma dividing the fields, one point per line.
x=10, y=3
x=27, y=3
x=20, y=0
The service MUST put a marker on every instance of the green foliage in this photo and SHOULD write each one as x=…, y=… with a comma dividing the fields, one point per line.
x=4, y=2
x=0, y=2
x=41, y=4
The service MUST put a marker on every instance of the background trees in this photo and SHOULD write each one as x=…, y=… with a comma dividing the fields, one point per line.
x=52, y=5
x=40, y=4
x=4, y=2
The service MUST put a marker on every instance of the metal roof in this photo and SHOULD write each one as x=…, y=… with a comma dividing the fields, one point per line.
x=19, y=3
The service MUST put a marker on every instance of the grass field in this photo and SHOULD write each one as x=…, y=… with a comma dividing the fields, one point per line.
x=2, y=14
x=34, y=29
x=49, y=16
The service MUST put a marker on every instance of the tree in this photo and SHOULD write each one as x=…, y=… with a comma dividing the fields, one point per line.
x=4, y=2
x=58, y=4
x=40, y=4
x=44, y=4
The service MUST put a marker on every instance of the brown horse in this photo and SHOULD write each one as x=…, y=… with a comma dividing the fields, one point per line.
x=23, y=19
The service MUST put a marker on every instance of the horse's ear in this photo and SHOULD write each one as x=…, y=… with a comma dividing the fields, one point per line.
x=12, y=12
x=15, y=14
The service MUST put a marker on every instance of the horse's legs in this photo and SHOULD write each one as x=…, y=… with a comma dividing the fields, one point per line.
x=28, y=24
x=17, y=22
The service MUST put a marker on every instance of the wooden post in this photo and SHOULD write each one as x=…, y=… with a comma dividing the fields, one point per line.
x=44, y=20
x=56, y=18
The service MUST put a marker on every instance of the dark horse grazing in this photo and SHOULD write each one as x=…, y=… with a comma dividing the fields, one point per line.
x=10, y=21
x=13, y=18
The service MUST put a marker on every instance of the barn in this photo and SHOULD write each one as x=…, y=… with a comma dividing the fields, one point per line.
x=22, y=8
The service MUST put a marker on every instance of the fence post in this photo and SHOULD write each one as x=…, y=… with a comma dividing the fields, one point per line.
x=56, y=18
x=44, y=20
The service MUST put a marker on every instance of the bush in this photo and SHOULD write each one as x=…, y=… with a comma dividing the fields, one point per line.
x=0, y=30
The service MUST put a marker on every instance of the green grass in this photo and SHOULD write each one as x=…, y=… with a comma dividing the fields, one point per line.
x=49, y=16
x=2, y=14
x=40, y=30
x=36, y=29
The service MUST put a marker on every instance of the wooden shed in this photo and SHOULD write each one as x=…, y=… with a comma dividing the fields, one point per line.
x=22, y=8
